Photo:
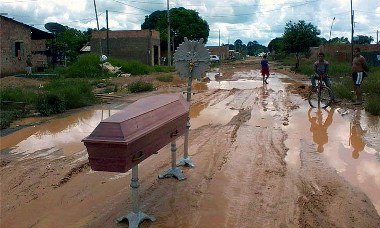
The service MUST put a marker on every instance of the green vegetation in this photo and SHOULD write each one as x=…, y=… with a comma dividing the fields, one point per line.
x=140, y=86
x=73, y=88
x=165, y=78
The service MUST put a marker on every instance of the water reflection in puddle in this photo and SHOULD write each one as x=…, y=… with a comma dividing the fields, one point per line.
x=341, y=139
x=58, y=137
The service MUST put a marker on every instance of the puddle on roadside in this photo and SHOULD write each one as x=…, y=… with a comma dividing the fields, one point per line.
x=218, y=114
x=57, y=137
x=348, y=139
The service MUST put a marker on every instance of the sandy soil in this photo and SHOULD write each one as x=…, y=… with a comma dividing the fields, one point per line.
x=241, y=178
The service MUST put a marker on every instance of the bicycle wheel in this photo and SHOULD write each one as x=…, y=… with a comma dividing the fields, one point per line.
x=320, y=98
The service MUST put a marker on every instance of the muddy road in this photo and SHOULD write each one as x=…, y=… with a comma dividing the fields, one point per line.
x=263, y=159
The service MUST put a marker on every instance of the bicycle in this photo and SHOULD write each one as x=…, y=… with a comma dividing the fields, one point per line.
x=321, y=96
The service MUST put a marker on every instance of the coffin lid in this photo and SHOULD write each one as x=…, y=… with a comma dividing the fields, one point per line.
x=139, y=118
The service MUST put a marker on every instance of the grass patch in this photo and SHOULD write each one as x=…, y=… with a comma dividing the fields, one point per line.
x=165, y=78
x=87, y=66
x=140, y=86
x=372, y=105
x=75, y=93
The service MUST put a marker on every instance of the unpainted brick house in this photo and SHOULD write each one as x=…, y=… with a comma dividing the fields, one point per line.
x=17, y=41
x=221, y=51
x=343, y=52
x=140, y=45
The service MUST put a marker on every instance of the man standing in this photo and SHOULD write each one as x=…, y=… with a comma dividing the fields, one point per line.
x=359, y=66
x=28, y=66
x=265, y=69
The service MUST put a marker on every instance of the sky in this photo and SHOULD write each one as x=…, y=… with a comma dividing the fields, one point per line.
x=247, y=20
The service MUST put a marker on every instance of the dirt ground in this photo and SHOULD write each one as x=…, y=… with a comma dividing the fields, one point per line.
x=241, y=178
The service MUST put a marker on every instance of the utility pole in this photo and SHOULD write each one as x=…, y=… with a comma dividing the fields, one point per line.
x=352, y=33
x=219, y=37
x=331, y=27
x=108, y=44
x=377, y=37
x=169, y=51
x=97, y=26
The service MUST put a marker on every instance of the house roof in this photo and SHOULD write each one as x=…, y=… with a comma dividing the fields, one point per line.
x=36, y=34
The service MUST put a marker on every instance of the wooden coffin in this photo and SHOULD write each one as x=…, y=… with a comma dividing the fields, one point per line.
x=128, y=137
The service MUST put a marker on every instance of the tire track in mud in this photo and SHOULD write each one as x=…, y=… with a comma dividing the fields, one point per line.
x=259, y=175
x=327, y=199
x=72, y=172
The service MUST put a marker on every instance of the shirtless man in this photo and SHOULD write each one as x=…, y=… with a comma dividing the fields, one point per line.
x=359, y=66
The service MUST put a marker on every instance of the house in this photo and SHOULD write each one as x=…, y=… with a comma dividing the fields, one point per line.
x=17, y=41
x=221, y=51
x=343, y=52
x=140, y=45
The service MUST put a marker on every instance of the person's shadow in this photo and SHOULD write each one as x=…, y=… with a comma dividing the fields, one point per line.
x=356, y=135
x=318, y=127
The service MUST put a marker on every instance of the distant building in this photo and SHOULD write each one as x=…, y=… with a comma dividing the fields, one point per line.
x=17, y=41
x=342, y=52
x=140, y=45
x=221, y=51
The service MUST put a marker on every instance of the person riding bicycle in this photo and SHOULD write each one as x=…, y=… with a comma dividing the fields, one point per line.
x=321, y=69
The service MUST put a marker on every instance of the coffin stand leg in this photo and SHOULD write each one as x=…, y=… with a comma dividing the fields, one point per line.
x=173, y=171
x=136, y=216
x=186, y=160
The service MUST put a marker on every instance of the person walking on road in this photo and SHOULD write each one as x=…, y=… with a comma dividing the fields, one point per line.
x=28, y=65
x=359, y=68
x=265, y=69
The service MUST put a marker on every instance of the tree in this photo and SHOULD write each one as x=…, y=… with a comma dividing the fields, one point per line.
x=254, y=48
x=238, y=45
x=337, y=40
x=67, y=43
x=363, y=40
x=299, y=37
x=183, y=23
x=276, y=45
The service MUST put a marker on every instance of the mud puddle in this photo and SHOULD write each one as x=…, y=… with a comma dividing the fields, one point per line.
x=57, y=137
x=348, y=139
x=245, y=142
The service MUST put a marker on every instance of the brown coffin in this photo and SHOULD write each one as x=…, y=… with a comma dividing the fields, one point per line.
x=127, y=138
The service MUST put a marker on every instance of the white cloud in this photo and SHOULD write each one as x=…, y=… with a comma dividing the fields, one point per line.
x=248, y=20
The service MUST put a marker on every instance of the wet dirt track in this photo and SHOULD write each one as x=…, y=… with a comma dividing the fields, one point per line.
x=258, y=158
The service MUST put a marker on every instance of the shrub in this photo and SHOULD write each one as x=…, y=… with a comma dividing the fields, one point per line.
x=7, y=117
x=76, y=93
x=140, y=86
x=50, y=103
x=87, y=66
x=132, y=67
x=18, y=94
x=165, y=78
x=165, y=69
x=372, y=105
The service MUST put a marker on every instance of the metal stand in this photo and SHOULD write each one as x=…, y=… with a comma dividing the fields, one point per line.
x=186, y=160
x=173, y=171
x=136, y=216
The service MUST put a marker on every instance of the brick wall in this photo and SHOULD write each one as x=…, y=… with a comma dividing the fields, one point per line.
x=12, y=32
x=343, y=51
x=130, y=45
x=221, y=51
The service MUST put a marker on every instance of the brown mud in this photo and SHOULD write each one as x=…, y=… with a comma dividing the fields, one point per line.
x=257, y=165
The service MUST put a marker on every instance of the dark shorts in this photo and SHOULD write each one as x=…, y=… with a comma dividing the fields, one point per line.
x=357, y=77
x=265, y=72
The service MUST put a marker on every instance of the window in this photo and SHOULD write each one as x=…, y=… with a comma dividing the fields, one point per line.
x=17, y=49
